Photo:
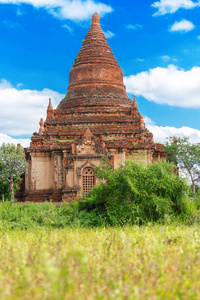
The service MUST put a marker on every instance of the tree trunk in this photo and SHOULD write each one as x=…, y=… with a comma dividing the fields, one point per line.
x=193, y=185
x=194, y=189
x=11, y=188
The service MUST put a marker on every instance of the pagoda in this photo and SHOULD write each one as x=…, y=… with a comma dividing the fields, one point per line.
x=95, y=119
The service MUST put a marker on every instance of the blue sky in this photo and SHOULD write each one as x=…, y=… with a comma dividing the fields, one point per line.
x=157, y=44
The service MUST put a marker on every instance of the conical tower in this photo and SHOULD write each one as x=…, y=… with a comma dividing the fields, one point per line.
x=95, y=119
x=96, y=77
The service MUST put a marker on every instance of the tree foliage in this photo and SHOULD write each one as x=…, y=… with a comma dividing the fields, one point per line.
x=12, y=165
x=186, y=156
x=138, y=194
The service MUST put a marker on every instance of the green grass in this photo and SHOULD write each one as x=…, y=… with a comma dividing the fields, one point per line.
x=66, y=141
x=148, y=262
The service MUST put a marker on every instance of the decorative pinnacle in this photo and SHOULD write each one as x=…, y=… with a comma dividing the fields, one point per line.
x=50, y=106
x=134, y=104
x=95, y=18
x=142, y=124
x=41, y=123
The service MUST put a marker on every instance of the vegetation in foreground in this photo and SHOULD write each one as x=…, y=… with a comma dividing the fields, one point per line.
x=187, y=157
x=12, y=166
x=146, y=262
x=132, y=195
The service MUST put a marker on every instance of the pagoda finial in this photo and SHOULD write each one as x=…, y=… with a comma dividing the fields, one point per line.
x=41, y=125
x=95, y=18
x=134, y=108
x=50, y=106
x=88, y=135
x=142, y=124
x=50, y=111
x=135, y=103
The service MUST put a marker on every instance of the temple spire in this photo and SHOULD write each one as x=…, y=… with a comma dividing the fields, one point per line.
x=41, y=123
x=135, y=103
x=142, y=124
x=50, y=106
x=50, y=111
x=95, y=73
x=134, y=108
x=95, y=19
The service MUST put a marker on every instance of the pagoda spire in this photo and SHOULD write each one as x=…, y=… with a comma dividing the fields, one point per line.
x=50, y=106
x=95, y=19
x=50, y=111
x=95, y=73
x=142, y=124
x=135, y=103
x=41, y=123
x=134, y=108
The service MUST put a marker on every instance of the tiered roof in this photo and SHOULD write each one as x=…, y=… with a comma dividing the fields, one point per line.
x=96, y=99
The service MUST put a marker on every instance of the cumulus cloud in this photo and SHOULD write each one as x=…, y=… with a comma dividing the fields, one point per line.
x=70, y=29
x=109, y=34
x=76, y=10
x=134, y=27
x=171, y=6
x=182, y=25
x=4, y=138
x=167, y=58
x=22, y=109
x=171, y=85
x=140, y=59
x=160, y=133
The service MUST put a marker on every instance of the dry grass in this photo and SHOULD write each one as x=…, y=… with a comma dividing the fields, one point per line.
x=152, y=262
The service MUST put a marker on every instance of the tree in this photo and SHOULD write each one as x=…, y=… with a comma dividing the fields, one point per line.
x=4, y=189
x=186, y=156
x=12, y=165
x=136, y=193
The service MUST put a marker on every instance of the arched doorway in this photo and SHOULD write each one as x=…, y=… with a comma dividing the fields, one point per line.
x=88, y=180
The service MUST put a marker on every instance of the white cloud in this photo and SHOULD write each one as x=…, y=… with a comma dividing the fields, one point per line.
x=11, y=25
x=167, y=58
x=4, y=138
x=71, y=30
x=21, y=110
x=109, y=34
x=19, y=13
x=182, y=25
x=198, y=37
x=160, y=133
x=171, y=6
x=76, y=10
x=140, y=59
x=171, y=85
x=134, y=27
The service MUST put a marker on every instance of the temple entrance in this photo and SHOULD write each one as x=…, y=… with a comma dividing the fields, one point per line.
x=89, y=180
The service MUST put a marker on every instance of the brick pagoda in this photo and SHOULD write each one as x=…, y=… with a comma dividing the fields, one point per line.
x=95, y=119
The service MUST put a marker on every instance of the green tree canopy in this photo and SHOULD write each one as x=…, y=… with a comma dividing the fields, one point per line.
x=135, y=193
x=12, y=165
x=186, y=156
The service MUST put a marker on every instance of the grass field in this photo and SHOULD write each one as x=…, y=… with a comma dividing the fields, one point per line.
x=150, y=262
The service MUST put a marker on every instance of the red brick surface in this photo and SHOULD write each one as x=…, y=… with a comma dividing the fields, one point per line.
x=96, y=99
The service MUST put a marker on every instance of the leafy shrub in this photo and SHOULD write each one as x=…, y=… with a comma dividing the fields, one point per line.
x=138, y=194
x=31, y=215
x=133, y=194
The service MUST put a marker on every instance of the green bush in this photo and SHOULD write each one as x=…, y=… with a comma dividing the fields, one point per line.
x=138, y=194
x=31, y=215
x=133, y=194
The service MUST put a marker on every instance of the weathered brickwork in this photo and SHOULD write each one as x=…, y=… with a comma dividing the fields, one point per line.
x=96, y=118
